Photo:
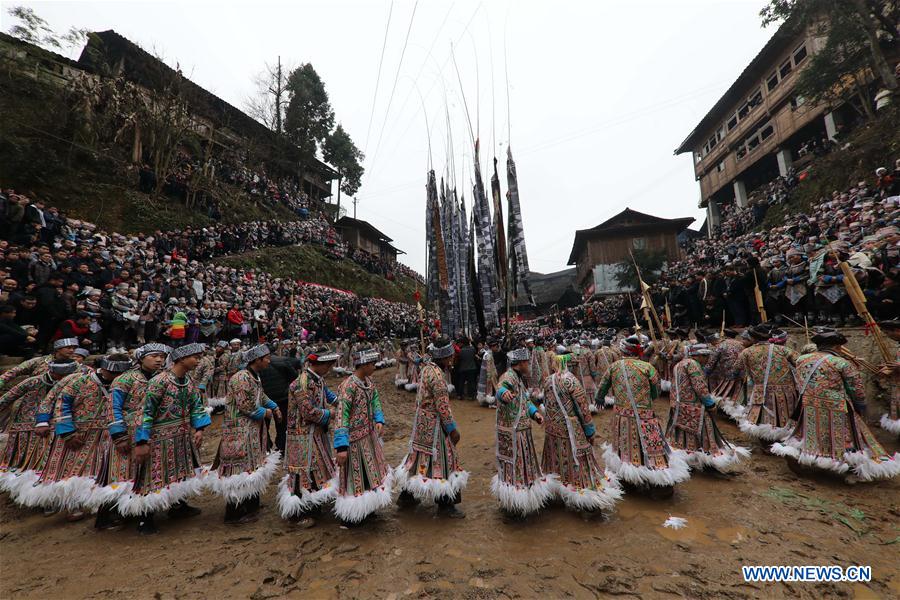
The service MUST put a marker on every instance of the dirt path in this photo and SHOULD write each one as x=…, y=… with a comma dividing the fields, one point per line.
x=765, y=516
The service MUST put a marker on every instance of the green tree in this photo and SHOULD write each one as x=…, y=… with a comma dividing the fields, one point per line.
x=341, y=153
x=837, y=73
x=309, y=117
x=650, y=262
x=874, y=19
x=35, y=30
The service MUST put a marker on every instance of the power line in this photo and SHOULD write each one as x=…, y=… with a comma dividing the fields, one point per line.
x=410, y=122
x=387, y=112
x=428, y=55
x=378, y=77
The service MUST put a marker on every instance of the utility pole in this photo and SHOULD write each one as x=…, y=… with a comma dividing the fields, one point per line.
x=355, y=202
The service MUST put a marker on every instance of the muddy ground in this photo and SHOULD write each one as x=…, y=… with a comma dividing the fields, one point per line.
x=766, y=515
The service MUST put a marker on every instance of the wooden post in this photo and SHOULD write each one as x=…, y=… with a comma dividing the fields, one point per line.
x=760, y=306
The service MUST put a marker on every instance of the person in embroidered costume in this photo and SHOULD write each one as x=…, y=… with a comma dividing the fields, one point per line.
x=63, y=349
x=568, y=455
x=167, y=444
x=540, y=369
x=412, y=368
x=692, y=428
x=772, y=392
x=235, y=363
x=243, y=467
x=638, y=452
x=520, y=487
x=364, y=478
x=125, y=414
x=216, y=396
x=831, y=433
x=890, y=420
x=487, y=378
x=431, y=470
x=22, y=445
x=603, y=356
x=726, y=380
x=78, y=453
x=203, y=375
x=311, y=478
x=582, y=367
x=402, y=376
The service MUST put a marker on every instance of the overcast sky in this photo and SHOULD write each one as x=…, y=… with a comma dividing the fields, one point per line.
x=600, y=93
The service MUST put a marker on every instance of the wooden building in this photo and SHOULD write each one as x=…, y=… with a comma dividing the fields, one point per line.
x=597, y=252
x=755, y=131
x=362, y=235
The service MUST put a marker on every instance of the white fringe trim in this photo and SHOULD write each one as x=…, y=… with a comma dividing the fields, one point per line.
x=724, y=461
x=135, y=505
x=764, y=432
x=354, y=509
x=428, y=488
x=216, y=402
x=792, y=448
x=527, y=500
x=590, y=500
x=609, y=401
x=68, y=494
x=291, y=505
x=13, y=482
x=868, y=469
x=450, y=388
x=485, y=400
x=889, y=424
x=665, y=385
x=411, y=387
x=734, y=411
x=677, y=471
x=240, y=487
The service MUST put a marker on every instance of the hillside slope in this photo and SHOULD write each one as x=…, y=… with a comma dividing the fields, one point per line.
x=872, y=145
x=310, y=264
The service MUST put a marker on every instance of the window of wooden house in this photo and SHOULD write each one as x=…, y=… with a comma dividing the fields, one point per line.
x=785, y=68
x=732, y=122
x=772, y=81
x=767, y=132
x=639, y=243
x=800, y=54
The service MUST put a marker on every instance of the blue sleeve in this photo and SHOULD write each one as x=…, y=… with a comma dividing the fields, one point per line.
x=330, y=396
x=201, y=421
x=532, y=410
x=42, y=418
x=117, y=427
x=708, y=401
x=341, y=438
x=270, y=404
x=500, y=391
x=379, y=417
x=450, y=427
x=202, y=387
x=258, y=414
x=589, y=430
x=326, y=416
x=64, y=424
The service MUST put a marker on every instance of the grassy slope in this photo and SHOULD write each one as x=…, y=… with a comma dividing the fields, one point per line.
x=873, y=145
x=308, y=263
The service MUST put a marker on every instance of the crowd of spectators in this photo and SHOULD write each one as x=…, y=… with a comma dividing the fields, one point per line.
x=66, y=277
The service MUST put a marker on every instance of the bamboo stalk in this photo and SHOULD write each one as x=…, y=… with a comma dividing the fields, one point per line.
x=859, y=303
x=760, y=306
x=859, y=362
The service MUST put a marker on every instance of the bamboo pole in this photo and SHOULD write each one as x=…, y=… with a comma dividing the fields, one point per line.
x=760, y=306
x=859, y=303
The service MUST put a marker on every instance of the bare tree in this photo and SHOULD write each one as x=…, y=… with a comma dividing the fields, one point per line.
x=269, y=102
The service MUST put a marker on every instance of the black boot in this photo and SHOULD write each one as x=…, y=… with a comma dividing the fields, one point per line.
x=406, y=500
x=146, y=526
x=446, y=507
x=183, y=510
x=108, y=518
